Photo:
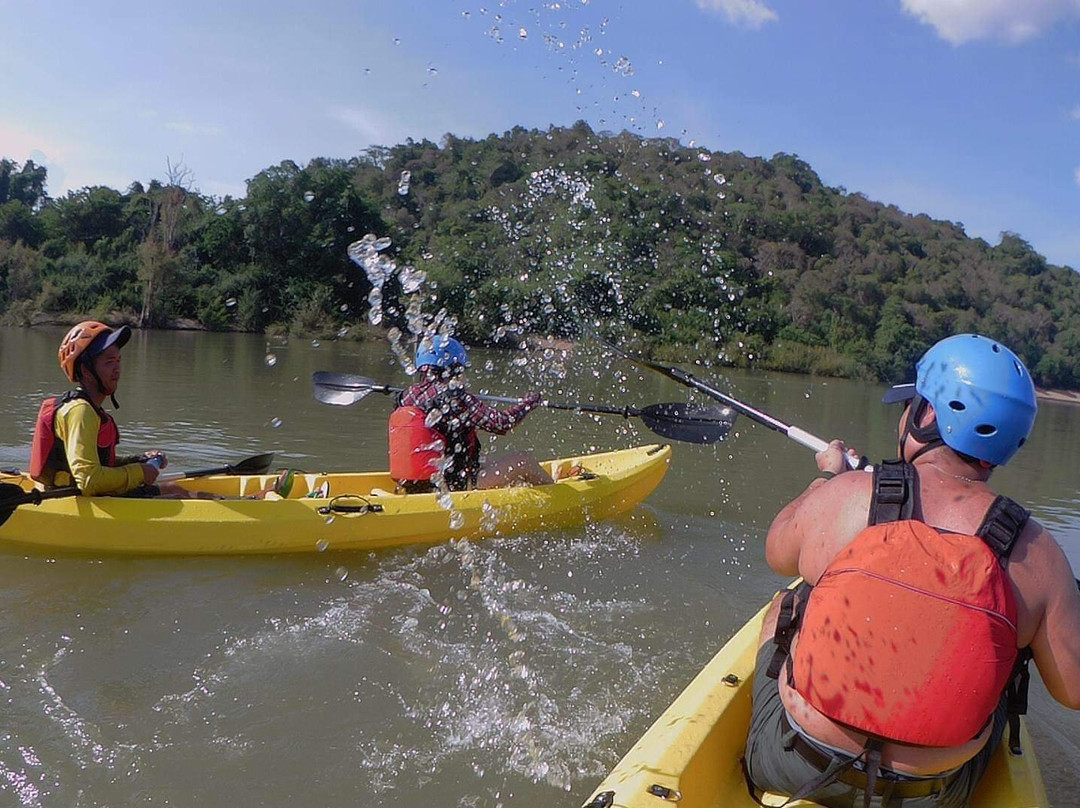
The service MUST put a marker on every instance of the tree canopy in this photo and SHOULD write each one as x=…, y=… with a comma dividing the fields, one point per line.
x=735, y=259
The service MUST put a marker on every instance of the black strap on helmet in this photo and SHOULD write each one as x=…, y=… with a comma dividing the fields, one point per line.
x=929, y=434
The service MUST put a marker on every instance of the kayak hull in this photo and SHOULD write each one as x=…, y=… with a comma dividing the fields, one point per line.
x=615, y=482
x=693, y=749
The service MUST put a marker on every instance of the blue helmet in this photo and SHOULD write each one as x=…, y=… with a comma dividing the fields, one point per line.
x=441, y=352
x=982, y=395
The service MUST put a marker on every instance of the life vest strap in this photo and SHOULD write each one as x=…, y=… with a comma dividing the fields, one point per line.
x=1002, y=526
x=792, y=606
x=892, y=500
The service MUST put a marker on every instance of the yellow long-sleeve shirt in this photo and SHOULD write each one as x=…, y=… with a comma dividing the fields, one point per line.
x=77, y=425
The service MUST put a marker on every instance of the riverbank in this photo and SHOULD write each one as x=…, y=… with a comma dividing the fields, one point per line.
x=1063, y=396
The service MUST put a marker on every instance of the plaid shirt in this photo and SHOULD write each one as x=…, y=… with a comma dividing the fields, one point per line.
x=463, y=412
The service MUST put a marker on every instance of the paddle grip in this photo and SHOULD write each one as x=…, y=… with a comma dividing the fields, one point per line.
x=815, y=443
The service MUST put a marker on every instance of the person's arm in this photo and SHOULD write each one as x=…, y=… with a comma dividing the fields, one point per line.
x=485, y=417
x=816, y=513
x=77, y=425
x=1056, y=644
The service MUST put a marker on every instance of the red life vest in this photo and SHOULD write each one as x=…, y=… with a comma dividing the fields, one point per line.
x=910, y=634
x=415, y=447
x=47, y=450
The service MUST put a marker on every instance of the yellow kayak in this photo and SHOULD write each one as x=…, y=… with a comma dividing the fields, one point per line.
x=691, y=754
x=359, y=511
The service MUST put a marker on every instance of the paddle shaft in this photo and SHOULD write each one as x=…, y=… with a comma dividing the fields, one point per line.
x=800, y=436
x=626, y=412
x=11, y=499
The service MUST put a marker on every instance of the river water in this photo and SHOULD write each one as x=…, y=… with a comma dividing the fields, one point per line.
x=511, y=671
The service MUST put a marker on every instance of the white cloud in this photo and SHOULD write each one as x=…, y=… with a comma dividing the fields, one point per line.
x=187, y=127
x=960, y=21
x=374, y=128
x=748, y=13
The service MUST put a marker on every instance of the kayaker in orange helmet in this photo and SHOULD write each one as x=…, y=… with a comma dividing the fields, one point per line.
x=895, y=670
x=75, y=440
x=434, y=428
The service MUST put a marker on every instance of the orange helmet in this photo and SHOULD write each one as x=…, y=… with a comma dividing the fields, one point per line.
x=88, y=339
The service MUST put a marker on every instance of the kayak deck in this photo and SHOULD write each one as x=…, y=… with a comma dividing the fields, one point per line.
x=692, y=752
x=362, y=511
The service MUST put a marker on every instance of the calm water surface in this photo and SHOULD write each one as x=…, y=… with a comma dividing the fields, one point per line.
x=514, y=671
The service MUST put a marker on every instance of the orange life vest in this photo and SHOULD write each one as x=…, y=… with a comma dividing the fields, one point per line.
x=47, y=450
x=415, y=447
x=910, y=634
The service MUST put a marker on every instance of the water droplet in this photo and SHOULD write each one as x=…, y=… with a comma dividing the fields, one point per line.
x=271, y=360
x=659, y=124
x=275, y=423
x=433, y=417
x=322, y=544
x=330, y=520
x=309, y=196
x=343, y=332
x=397, y=40
x=457, y=520
x=315, y=343
x=341, y=573
x=446, y=502
x=432, y=70
x=221, y=210
x=230, y=303
x=523, y=34
x=382, y=243
x=344, y=307
x=704, y=157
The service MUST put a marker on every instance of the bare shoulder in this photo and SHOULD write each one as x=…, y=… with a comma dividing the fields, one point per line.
x=834, y=514
x=1040, y=572
x=1048, y=610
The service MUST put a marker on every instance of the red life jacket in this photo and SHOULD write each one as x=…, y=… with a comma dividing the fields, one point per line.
x=47, y=450
x=910, y=634
x=415, y=447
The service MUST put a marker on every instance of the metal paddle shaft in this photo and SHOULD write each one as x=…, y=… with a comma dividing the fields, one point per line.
x=673, y=420
x=800, y=436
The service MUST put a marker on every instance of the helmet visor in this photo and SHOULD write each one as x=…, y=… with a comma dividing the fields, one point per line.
x=899, y=393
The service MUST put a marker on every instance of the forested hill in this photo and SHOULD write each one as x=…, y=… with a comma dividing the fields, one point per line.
x=702, y=254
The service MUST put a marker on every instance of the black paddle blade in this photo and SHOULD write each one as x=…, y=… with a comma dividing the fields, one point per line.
x=690, y=425
x=259, y=464
x=11, y=497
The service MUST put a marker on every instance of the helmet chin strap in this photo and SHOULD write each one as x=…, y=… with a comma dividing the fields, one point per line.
x=928, y=435
x=101, y=384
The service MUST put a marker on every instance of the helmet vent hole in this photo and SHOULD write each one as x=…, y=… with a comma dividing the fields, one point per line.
x=995, y=348
x=1019, y=369
x=957, y=406
x=1021, y=443
x=986, y=429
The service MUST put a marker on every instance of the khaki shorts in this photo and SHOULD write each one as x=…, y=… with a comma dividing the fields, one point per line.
x=773, y=767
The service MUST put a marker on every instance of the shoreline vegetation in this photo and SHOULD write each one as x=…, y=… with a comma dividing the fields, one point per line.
x=1057, y=396
x=683, y=253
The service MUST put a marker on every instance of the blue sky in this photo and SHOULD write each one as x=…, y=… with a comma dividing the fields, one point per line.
x=968, y=110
